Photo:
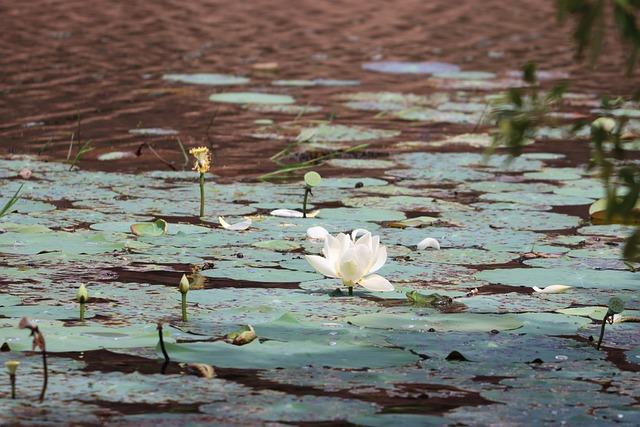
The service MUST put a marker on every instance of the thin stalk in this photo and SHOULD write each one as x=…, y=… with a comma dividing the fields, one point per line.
x=184, y=154
x=12, y=377
x=604, y=322
x=44, y=367
x=82, y=310
x=184, y=307
x=162, y=347
x=307, y=191
x=350, y=291
x=201, y=195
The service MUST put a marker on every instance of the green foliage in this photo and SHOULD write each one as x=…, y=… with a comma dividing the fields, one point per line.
x=520, y=111
x=589, y=31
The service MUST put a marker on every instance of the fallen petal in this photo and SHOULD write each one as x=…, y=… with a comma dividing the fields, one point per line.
x=553, y=289
x=429, y=242
x=290, y=213
x=317, y=232
x=238, y=226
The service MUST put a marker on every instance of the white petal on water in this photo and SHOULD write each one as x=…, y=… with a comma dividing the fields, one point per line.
x=317, y=232
x=553, y=289
x=429, y=242
x=239, y=226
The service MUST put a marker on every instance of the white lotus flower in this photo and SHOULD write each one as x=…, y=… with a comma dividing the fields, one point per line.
x=238, y=226
x=353, y=260
x=429, y=242
x=553, y=289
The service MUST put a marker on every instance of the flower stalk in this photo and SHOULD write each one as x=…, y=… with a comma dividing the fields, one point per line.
x=38, y=342
x=12, y=367
x=202, y=164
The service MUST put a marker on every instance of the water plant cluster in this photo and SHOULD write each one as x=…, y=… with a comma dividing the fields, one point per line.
x=428, y=285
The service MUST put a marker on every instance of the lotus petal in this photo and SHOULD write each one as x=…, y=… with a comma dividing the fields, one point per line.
x=376, y=283
x=319, y=233
x=553, y=289
x=429, y=242
x=238, y=226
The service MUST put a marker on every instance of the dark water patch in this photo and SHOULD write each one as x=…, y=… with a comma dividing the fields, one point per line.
x=172, y=278
x=107, y=361
x=504, y=289
x=139, y=408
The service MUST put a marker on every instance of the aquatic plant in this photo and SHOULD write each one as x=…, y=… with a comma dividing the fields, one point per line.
x=183, y=287
x=202, y=165
x=12, y=367
x=311, y=179
x=616, y=306
x=12, y=201
x=38, y=342
x=353, y=259
x=82, y=297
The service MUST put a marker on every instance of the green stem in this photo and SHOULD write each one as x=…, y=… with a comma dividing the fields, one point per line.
x=13, y=385
x=307, y=190
x=82, y=309
x=604, y=322
x=350, y=291
x=201, y=195
x=184, y=307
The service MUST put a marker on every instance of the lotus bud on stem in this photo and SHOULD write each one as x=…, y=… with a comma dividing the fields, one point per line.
x=82, y=297
x=311, y=179
x=616, y=306
x=38, y=342
x=184, y=289
x=12, y=367
x=202, y=165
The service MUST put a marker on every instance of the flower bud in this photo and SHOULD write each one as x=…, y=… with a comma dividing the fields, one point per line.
x=184, y=285
x=605, y=123
x=82, y=296
x=12, y=366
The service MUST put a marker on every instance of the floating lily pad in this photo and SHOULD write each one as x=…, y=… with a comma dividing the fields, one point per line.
x=206, y=79
x=251, y=98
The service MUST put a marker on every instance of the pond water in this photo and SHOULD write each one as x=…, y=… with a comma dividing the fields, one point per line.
x=463, y=339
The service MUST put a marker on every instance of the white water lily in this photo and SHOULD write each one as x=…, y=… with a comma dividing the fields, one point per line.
x=290, y=213
x=353, y=261
x=238, y=226
x=553, y=289
x=318, y=233
x=429, y=242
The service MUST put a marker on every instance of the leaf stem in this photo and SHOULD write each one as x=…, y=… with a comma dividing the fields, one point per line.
x=307, y=191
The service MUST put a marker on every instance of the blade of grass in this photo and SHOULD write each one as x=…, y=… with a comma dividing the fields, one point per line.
x=5, y=209
x=310, y=163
